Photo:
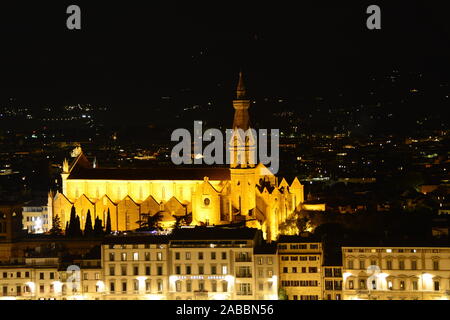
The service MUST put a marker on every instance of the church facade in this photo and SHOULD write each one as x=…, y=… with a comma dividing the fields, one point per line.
x=246, y=192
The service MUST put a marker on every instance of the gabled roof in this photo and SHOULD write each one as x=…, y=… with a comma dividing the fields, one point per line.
x=80, y=162
x=83, y=196
x=128, y=198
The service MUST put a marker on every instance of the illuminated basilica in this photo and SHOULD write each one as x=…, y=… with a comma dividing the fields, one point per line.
x=245, y=193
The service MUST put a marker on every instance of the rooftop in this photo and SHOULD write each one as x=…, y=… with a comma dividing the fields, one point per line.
x=150, y=174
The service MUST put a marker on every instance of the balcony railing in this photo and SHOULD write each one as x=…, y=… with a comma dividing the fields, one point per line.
x=243, y=259
x=362, y=291
x=244, y=293
x=243, y=275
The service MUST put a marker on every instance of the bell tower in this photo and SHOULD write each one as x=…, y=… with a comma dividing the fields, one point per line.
x=242, y=147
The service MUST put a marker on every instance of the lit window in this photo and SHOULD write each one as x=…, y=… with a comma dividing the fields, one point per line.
x=350, y=284
x=390, y=286
x=224, y=269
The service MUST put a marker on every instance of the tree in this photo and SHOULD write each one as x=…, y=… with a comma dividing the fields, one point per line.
x=88, y=230
x=67, y=228
x=303, y=224
x=108, y=223
x=77, y=227
x=98, y=228
x=152, y=222
x=180, y=221
x=70, y=229
x=282, y=294
x=56, y=227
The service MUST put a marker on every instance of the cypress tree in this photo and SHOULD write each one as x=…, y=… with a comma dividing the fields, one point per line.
x=77, y=229
x=67, y=228
x=88, y=230
x=98, y=229
x=108, y=223
x=56, y=226
x=72, y=223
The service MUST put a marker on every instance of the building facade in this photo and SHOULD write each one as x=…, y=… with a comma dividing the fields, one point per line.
x=300, y=263
x=396, y=273
x=35, y=218
x=136, y=268
x=332, y=282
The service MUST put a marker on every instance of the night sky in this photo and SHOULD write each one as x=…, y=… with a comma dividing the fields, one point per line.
x=131, y=53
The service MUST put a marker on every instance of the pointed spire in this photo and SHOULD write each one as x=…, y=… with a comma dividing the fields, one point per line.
x=65, y=166
x=296, y=184
x=283, y=184
x=240, y=92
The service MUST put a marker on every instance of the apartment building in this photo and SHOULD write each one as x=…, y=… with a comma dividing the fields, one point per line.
x=266, y=269
x=396, y=272
x=35, y=218
x=332, y=282
x=35, y=279
x=300, y=263
x=219, y=264
x=91, y=278
x=135, y=267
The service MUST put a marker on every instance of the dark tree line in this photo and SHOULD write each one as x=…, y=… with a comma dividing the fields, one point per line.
x=73, y=226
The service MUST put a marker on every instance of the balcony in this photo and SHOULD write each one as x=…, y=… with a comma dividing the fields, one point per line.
x=201, y=294
x=243, y=259
x=243, y=275
x=244, y=293
x=362, y=291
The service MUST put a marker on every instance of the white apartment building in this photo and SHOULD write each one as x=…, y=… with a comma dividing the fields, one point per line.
x=36, y=279
x=35, y=217
x=266, y=269
x=396, y=273
x=221, y=264
x=135, y=268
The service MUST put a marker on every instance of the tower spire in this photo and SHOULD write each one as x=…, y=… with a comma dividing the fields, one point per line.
x=240, y=92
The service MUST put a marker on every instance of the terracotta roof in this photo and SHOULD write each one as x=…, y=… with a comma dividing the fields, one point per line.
x=150, y=174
